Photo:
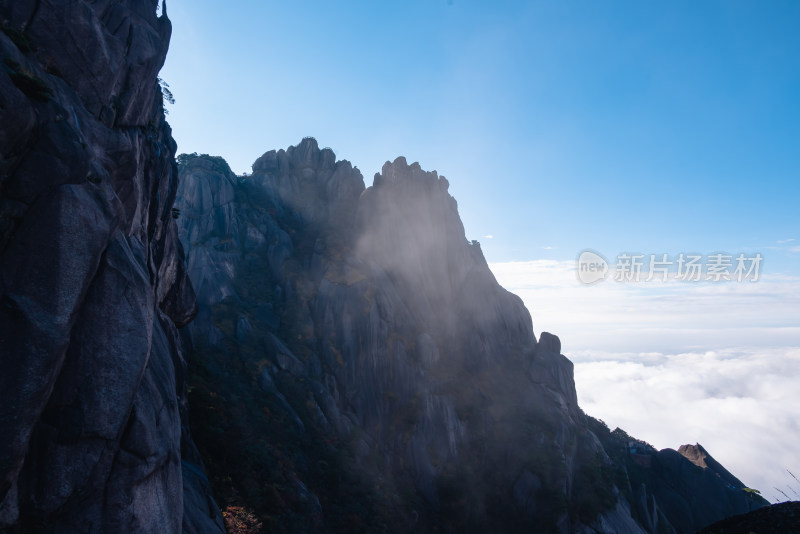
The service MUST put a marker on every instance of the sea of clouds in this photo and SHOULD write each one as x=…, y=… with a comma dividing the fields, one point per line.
x=715, y=363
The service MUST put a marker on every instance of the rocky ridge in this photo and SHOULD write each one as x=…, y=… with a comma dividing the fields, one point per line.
x=390, y=383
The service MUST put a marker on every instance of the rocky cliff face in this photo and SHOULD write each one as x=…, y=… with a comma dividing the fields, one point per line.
x=93, y=287
x=354, y=364
x=358, y=348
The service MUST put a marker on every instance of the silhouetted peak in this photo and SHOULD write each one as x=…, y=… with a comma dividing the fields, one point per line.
x=400, y=172
x=304, y=155
x=549, y=343
x=198, y=162
x=367, y=315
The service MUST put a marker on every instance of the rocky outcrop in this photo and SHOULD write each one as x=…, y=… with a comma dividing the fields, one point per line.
x=700, y=457
x=357, y=346
x=674, y=491
x=93, y=286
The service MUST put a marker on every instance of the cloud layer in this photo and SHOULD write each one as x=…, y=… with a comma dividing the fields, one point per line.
x=741, y=406
x=675, y=362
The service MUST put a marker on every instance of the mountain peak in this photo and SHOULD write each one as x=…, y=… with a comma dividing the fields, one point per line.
x=368, y=323
x=400, y=172
x=695, y=454
x=700, y=457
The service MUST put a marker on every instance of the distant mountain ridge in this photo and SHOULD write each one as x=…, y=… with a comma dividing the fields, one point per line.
x=369, y=338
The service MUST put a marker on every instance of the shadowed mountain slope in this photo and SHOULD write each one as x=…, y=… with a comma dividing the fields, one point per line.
x=357, y=346
x=780, y=518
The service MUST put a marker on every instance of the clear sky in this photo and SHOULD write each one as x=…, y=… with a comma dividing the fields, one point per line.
x=657, y=127
x=651, y=127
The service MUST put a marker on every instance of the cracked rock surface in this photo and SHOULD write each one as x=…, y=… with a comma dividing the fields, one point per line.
x=93, y=287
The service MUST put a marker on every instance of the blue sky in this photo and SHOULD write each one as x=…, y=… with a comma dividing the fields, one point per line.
x=651, y=127
x=618, y=126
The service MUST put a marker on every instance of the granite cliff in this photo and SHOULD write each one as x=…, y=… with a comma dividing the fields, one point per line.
x=357, y=346
x=93, y=285
x=353, y=364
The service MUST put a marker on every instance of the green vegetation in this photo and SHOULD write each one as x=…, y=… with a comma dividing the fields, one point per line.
x=594, y=481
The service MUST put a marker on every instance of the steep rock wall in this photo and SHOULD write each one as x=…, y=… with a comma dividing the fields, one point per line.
x=377, y=364
x=93, y=286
